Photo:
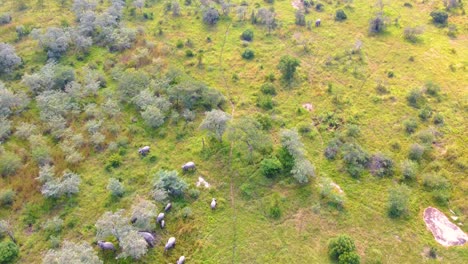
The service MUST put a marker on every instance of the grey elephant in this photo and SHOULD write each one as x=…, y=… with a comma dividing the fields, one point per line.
x=188, y=166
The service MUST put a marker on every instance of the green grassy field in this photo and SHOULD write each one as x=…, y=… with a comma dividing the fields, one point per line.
x=330, y=77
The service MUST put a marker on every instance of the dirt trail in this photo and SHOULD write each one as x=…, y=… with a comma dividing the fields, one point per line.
x=233, y=108
x=445, y=232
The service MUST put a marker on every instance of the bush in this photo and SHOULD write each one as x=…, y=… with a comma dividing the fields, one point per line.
x=270, y=167
x=415, y=98
x=53, y=226
x=377, y=24
x=268, y=88
x=248, y=54
x=438, y=119
x=353, y=131
x=114, y=161
x=433, y=181
x=319, y=7
x=332, y=149
x=398, y=201
x=340, y=245
x=355, y=158
x=8, y=58
x=439, y=17
x=247, y=35
x=7, y=197
x=349, y=258
x=5, y=19
x=170, y=182
x=115, y=187
x=340, y=15
x=412, y=33
x=287, y=66
x=265, y=102
x=275, y=210
x=425, y=113
x=416, y=152
x=286, y=159
x=8, y=252
x=9, y=164
x=381, y=165
x=210, y=16
x=189, y=53
x=410, y=126
x=300, y=18
x=408, y=170
x=432, y=89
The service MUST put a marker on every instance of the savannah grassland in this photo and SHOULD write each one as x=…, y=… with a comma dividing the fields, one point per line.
x=330, y=77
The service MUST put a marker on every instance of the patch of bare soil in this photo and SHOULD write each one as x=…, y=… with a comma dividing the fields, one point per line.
x=445, y=232
x=298, y=4
x=308, y=107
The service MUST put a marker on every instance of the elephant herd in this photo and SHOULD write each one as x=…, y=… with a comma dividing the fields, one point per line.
x=149, y=238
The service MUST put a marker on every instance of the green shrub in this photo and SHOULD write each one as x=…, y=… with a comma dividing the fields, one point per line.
x=170, y=182
x=275, y=210
x=248, y=54
x=415, y=98
x=340, y=15
x=438, y=119
x=353, y=131
x=189, y=53
x=439, y=17
x=433, y=181
x=441, y=196
x=340, y=245
x=180, y=44
x=186, y=212
x=432, y=89
x=268, y=88
x=9, y=164
x=398, y=201
x=416, y=152
x=270, y=167
x=408, y=170
x=114, y=161
x=194, y=193
x=7, y=197
x=426, y=137
x=410, y=126
x=286, y=159
x=8, y=252
x=349, y=258
x=425, y=113
x=265, y=102
x=247, y=35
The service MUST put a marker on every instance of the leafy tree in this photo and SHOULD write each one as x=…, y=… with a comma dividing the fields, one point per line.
x=54, y=40
x=248, y=131
x=302, y=170
x=210, y=16
x=271, y=167
x=415, y=98
x=153, y=116
x=130, y=83
x=115, y=187
x=8, y=58
x=170, y=182
x=291, y=141
x=215, y=123
x=266, y=17
x=133, y=245
x=398, y=201
x=55, y=188
x=144, y=212
x=72, y=253
x=113, y=224
x=25, y=130
x=287, y=66
x=81, y=6
x=340, y=245
x=8, y=252
x=439, y=17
